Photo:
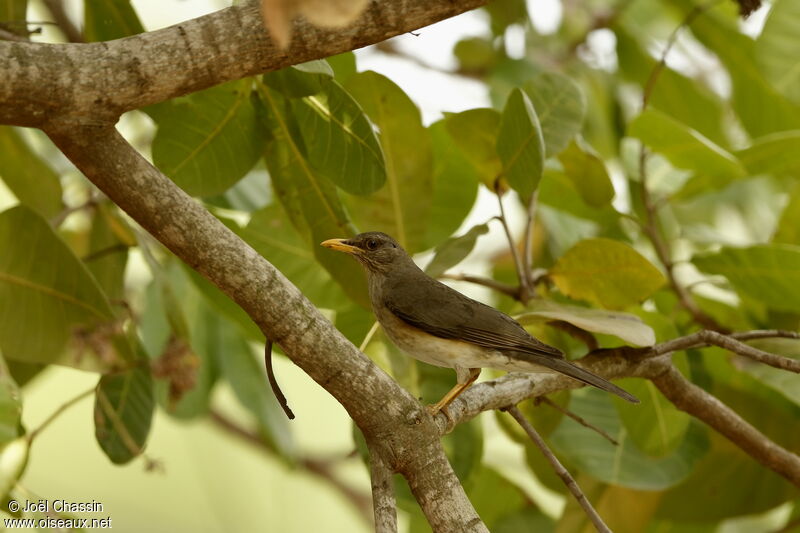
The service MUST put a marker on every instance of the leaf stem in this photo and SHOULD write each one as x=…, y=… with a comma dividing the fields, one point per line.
x=58, y=412
x=524, y=289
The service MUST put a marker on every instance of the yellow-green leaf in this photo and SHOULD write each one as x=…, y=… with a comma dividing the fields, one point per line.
x=608, y=273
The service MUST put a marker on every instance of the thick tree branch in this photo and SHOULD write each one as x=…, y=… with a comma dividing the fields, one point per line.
x=692, y=399
x=381, y=408
x=96, y=82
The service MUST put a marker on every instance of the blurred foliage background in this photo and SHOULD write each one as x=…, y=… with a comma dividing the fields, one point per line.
x=568, y=104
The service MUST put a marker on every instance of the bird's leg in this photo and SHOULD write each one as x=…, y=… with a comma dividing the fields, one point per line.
x=442, y=404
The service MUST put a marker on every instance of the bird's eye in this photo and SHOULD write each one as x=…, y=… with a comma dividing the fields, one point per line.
x=372, y=244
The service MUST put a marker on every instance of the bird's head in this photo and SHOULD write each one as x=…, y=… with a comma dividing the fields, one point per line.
x=375, y=250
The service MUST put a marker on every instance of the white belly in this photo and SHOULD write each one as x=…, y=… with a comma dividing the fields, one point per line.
x=449, y=353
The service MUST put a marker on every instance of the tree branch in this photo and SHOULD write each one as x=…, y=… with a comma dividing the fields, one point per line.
x=562, y=472
x=651, y=363
x=71, y=32
x=499, y=286
x=96, y=82
x=690, y=398
x=384, y=504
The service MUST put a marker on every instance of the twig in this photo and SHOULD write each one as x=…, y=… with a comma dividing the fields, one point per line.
x=62, y=215
x=524, y=289
x=276, y=389
x=58, y=412
x=527, y=245
x=574, y=331
x=730, y=343
x=320, y=467
x=579, y=419
x=504, y=288
x=368, y=336
x=765, y=334
x=650, y=225
x=690, y=398
x=389, y=48
x=384, y=504
x=56, y=8
x=562, y=472
x=6, y=35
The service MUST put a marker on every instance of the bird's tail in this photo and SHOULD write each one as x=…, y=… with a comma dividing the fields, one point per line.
x=563, y=366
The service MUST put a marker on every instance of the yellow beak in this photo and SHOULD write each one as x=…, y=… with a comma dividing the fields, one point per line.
x=340, y=245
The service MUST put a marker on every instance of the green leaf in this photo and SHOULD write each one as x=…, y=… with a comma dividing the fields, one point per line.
x=248, y=380
x=455, y=186
x=475, y=133
x=339, y=140
x=608, y=273
x=768, y=273
x=588, y=173
x=464, y=449
x=774, y=154
x=343, y=66
x=106, y=20
x=781, y=380
x=685, y=99
x=454, y=250
x=312, y=202
x=655, y=426
x=208, y=141
x=520, y=144
x=10, y=406
x=759, y=106
x=789, y=225
x=46, y=293
x=626, y=326
x=31, y=180
x=684, y=147
x=776, y=48
x=475, y=54
x=123, y=411
x=494, y=496
x=624, y=464
x=402, y=206
x=271, y=234
x=109, y=241
x=560, y=107
x=300, y=80
x=561, y=192
x=14, y=12
x=526, y=519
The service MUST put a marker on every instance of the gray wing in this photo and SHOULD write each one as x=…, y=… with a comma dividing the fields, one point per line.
x=435, y=308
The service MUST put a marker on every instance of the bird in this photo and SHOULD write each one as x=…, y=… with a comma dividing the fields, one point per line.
x=438, y=325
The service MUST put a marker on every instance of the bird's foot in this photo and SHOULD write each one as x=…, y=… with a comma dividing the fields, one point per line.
x=435, y=409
